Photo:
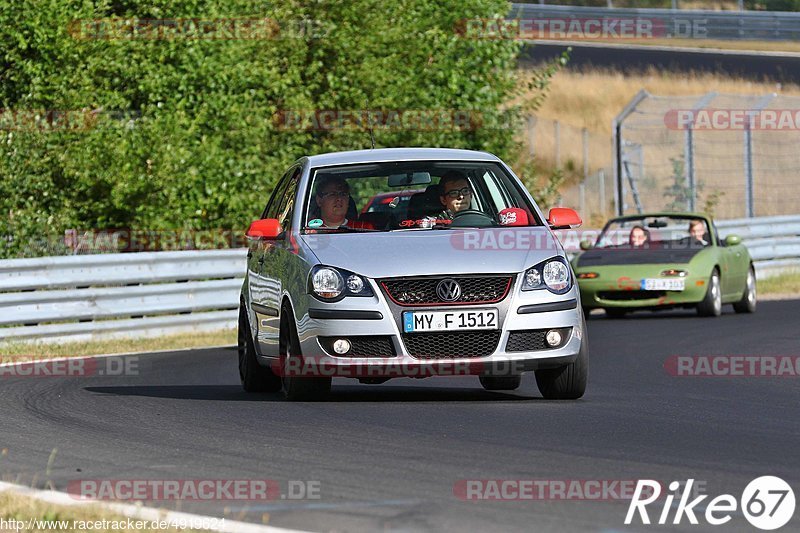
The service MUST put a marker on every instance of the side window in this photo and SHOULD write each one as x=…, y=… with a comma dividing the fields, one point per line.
x=271, y=211
x=286, y=204
x=500, y=199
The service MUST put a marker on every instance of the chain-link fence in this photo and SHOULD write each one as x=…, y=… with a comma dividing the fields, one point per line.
x=730, y=155
x=584, y=159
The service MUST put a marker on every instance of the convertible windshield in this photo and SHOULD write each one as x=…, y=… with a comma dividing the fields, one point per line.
x=419, y=195
x=655, y=232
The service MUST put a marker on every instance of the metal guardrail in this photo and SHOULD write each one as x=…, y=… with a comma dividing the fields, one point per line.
x=88, y=297
x=773, y=242
x=702, y=24
x=119, y=295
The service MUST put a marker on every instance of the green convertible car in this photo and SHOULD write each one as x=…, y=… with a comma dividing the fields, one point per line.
x=665, y=260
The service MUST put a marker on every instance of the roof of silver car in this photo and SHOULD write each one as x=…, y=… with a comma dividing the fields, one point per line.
x=398, y=154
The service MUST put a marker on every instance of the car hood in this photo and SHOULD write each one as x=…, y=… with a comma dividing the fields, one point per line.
x=431, y=252
x=628, y=256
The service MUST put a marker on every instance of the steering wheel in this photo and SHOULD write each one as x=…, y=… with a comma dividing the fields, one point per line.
x=473, y=218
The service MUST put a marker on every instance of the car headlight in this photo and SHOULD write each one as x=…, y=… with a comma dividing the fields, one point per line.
x=553, y=275
x=333, y=284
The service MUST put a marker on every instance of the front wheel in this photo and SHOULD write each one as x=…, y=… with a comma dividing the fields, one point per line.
x=748, y=302
x=569, y=381
x=712, y=303
x=297, y=387
x=253, y=376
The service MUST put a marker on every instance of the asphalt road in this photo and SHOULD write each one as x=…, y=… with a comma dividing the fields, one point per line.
x=387, y=457
x=775, y=67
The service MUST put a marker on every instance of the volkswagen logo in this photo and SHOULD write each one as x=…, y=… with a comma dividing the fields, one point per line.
x=448, y=290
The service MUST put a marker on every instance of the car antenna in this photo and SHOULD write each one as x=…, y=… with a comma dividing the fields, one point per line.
x=369, y=125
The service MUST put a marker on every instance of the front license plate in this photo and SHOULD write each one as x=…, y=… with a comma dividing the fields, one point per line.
x=676, y=284
x=419, y=321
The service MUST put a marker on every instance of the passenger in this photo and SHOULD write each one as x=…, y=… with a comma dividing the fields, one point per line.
x=639, y=237
x=697, y=232
x=455, y=195
x=333, y=199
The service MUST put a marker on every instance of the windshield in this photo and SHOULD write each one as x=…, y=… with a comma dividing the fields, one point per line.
x=419, y=195
x=655, y=232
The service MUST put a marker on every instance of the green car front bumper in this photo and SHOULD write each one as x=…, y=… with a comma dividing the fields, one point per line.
x=619, y=286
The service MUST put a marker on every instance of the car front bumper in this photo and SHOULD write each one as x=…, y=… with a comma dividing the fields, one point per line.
x=374, y=317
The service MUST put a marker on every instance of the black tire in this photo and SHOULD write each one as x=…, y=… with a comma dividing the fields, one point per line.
x=569, y=381
x=748, y=302
x=253, y=376
x=616, y=312
x=712, y=302
x=298, y=387
x=500, y=382
x=586, y=312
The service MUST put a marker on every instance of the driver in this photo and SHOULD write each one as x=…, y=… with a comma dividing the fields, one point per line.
x=456, y=194
x=697, y=232
x=333, y=197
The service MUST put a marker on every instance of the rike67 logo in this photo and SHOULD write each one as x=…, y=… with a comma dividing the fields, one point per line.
x=767, y=503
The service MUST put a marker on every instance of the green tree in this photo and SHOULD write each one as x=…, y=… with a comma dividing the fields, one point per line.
x=181, y=133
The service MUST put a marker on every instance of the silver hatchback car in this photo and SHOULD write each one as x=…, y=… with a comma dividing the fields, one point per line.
x=459, y=273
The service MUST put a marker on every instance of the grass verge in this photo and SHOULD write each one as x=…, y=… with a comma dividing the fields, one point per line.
x=17, y=351
x=787, y=283
x=31, y=515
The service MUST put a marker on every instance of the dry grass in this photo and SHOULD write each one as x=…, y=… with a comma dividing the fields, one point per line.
x=783, y=284
x=22, y=508
x=592, y=99
x=17, y=352
x=712, y=5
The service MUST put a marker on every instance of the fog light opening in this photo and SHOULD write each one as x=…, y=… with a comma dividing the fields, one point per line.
x=553, y=338
x=341, y=346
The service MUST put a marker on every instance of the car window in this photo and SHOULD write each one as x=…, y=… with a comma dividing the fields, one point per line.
x=286, y=204
x=409, y=195
x=271, y=210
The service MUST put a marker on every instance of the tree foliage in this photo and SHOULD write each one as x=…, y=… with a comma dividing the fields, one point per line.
x=178, y=133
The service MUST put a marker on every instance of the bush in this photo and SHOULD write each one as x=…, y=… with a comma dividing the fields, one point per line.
x=180, y=133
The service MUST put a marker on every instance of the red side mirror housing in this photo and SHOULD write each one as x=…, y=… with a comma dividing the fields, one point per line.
x=267, y=228
x=563, y=218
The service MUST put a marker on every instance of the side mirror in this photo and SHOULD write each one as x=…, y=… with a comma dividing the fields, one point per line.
x=563, y=218
x=586, y=245
x=267, y=228
x=732, y=240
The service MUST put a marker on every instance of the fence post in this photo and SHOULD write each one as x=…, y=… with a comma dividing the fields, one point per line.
x=532, y=135
x=616, y=149
x=748, y=155
x=585, y=142
x=688, y=171
x=601, y=177
x=688, y=151
x=557, y=137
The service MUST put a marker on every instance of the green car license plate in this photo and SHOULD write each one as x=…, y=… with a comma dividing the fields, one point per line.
x=651, y=284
